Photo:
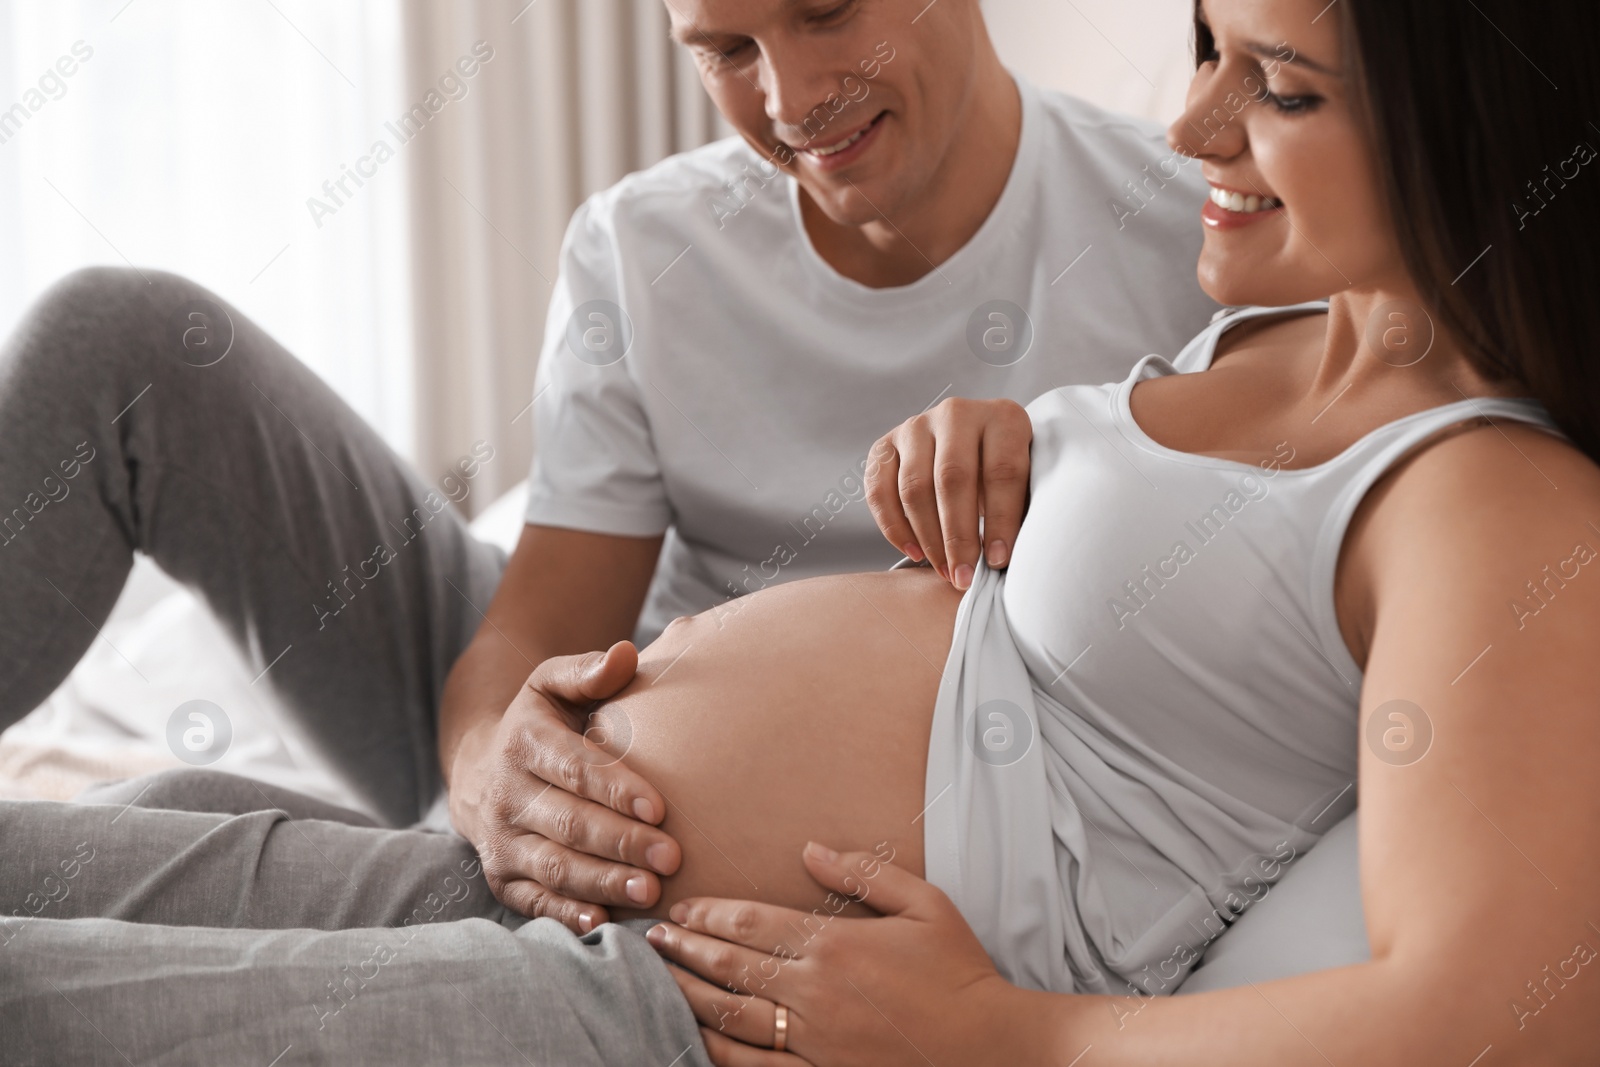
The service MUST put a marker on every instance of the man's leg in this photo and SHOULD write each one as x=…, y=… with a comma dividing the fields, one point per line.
x=138, y=411
x=178, y=936
x=195, y=936
x=217, y=792
x=97, y=991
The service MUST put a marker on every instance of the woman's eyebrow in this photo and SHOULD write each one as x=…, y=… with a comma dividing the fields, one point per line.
x=1294, y=57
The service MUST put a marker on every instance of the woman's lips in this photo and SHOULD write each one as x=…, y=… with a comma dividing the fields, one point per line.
x=1230, y=209
x=841, y=153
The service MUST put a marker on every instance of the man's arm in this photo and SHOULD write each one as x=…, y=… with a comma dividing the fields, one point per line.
x=559, y=835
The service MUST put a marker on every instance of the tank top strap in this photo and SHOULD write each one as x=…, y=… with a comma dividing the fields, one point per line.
x=1382, y=448
x=1347, y=480
x=1198, y=353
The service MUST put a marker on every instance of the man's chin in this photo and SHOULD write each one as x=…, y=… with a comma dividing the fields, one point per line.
x=852, y=203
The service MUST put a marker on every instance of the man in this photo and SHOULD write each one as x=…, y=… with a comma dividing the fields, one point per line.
x=901, y=222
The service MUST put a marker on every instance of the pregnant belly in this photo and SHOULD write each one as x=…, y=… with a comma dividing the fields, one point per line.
x=801, y=712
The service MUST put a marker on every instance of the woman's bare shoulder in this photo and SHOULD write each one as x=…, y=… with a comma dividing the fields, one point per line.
x=1476, y=516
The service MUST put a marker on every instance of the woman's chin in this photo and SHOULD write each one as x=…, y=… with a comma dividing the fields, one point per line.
x=1232, y=281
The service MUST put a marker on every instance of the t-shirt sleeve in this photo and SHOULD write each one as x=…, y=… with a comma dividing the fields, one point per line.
x=594, y=459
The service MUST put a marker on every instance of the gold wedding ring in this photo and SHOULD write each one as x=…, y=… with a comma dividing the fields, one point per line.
x=780, y=1029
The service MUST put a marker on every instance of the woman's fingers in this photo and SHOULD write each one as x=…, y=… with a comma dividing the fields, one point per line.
x=936, y=474
x=872, y=879
x=915, y=443
x=749, y=1019
x=726, y=1052
x=744, y=970
x=763, y=927
x=955, y=480
x=1005, y=465
x=883, y=498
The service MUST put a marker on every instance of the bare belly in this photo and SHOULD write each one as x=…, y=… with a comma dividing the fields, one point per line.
x=798, y=713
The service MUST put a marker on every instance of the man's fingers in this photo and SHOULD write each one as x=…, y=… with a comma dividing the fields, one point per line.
x=581, y=680
x=536, y=901
x=577, y=875
x=594, y=830
x=589, y=763
x=1005, y=459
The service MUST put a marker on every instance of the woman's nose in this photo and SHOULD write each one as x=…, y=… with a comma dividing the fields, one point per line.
x=1212, y=122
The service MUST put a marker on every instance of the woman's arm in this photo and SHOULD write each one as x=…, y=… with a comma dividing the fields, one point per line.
x=1480, y=859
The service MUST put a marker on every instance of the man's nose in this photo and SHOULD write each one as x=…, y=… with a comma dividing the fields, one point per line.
x=795, y=86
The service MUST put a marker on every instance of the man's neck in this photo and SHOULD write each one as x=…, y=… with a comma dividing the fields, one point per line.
x=911, y=242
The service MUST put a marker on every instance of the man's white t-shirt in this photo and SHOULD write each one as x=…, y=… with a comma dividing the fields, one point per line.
x=706, y=374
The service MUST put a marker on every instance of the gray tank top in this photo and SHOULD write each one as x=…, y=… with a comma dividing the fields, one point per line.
x=1148, y=716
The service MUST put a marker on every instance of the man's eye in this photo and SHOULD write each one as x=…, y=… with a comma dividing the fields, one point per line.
x=729, y=53
x=834, y=14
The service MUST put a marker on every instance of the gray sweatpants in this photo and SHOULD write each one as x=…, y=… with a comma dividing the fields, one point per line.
x=195, y=917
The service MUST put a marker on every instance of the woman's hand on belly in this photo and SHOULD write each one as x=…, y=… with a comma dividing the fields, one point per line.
x=910, y=987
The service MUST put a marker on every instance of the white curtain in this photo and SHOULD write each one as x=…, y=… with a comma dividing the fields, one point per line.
x=577, y=94
x=199, y=134
x=189, y=135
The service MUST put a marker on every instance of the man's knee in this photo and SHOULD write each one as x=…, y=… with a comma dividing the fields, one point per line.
x=100, y=314
x=179, y=789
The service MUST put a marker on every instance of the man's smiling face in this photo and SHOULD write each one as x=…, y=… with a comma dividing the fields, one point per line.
x=860, y=100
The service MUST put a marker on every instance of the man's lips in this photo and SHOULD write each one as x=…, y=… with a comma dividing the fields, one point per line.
x=821, y=151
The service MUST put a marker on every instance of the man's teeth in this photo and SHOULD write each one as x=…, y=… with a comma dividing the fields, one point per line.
x=1244, y=205
x=842, y=145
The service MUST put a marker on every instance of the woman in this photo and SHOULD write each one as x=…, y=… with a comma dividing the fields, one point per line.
x=1211, y=628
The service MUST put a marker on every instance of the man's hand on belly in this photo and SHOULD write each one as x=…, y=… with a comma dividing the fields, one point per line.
x=563, y=828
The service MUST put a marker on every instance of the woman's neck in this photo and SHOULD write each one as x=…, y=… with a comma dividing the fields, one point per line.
x=1384, y=338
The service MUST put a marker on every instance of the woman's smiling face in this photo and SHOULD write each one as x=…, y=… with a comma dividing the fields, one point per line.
x=1296, y=211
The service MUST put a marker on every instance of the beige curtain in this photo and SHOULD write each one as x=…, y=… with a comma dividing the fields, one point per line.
x=578, y=94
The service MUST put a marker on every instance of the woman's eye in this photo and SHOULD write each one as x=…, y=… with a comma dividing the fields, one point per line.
x=1293, y=105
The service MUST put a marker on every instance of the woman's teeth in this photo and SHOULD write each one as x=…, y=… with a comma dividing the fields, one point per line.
x=842, y=145
x=1244, y=205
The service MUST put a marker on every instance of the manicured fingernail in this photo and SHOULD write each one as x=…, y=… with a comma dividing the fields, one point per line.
x=964, y=576
x=659, y=857
x=585, y=922
x=997, y=553
x=821, y=852
x=656, y=935
x=638, y=889
x=678, y=912
x=913, y=550
x=644, y=810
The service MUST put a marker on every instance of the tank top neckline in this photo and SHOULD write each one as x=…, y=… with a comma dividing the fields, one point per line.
x=1122, y=406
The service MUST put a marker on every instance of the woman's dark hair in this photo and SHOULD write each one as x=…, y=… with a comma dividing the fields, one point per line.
x=1485, y=123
